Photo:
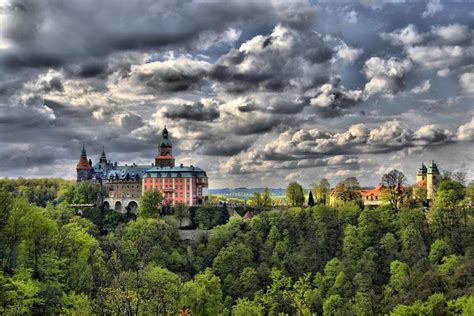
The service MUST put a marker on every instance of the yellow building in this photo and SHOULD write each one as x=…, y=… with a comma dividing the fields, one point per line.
x=428, y=178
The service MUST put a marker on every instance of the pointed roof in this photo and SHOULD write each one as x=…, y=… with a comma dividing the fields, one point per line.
x=103, y=157
x=422, y=169
x=83, y=163
x=433, y=168
x=165, y=141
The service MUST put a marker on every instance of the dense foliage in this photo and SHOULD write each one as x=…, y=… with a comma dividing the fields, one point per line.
x=297, y=261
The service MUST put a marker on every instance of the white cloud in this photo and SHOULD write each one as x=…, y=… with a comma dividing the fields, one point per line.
x=406, y=36
x=467, y=82
x=466, y=131
x=443, y=72
x=348, y=53
x=453, y=33
x=422, y=88
x=210, y=38
x=433, y=7
x=434, y=57
x=385, y=76
x=351, y=17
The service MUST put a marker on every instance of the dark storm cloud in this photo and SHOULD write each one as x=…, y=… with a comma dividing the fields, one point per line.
x=19, y=158
x=282, y=60
x=224, y=147
x=170, y=80
x=194, y=112
x=50, y=33
x=89, y=70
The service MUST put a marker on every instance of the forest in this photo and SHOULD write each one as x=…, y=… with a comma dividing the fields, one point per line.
x=302, y=260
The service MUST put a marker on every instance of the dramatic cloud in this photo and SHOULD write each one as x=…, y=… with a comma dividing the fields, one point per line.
x=194, y=112
x=466, y=131
x=392, y=136
x=169, y=76
x=284, y=59
x=42, y=33
x=385, y=76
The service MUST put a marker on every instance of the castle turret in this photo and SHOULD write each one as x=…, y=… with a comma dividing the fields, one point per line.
x=432, y=180
x=164, y=157
x=83, y=167
x=103, y=157
x=421, y=174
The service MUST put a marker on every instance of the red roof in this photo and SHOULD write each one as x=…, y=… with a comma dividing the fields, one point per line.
x=83, y=164
x=377, y=191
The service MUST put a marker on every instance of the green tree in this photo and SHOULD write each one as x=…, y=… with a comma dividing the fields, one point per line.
x=160, y=292
x=294, y=194
x=334, y=305
x=310, y=199
x=449, y=194
x=322, y=191
x=351, y=183
x=203, y=295
x=181, y=211
x=393, y=182
x=245, y=307
x=362, y=305
x=150, y=203
x=439, y=249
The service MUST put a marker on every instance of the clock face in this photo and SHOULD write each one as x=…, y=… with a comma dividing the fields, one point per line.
x=165, y=152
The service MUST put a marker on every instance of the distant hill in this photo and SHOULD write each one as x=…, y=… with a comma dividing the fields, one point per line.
x=244, y=192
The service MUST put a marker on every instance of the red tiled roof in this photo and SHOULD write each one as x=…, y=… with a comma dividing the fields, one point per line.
x=83, y=164
x=377, y=191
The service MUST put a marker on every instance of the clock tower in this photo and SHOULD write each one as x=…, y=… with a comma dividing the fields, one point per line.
x=165, y=158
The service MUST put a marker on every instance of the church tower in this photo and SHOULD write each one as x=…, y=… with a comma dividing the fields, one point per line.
x=421, y=174
x=164, y=157
x=432, y=179
x=83, y=167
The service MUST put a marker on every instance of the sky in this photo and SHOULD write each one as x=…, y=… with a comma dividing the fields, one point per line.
x=257, y=93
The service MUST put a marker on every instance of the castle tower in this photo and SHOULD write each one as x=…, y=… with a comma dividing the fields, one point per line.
x=165, y=158
x=421, y=173
x=432, y=179
x=83, y=167
x=103, y=157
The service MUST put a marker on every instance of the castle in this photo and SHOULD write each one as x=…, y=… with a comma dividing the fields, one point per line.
x=122, y=186
x=426, y=178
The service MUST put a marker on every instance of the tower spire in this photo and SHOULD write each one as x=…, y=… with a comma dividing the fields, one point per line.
x=83, y=152
x=165, y=158
x=103, y=157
